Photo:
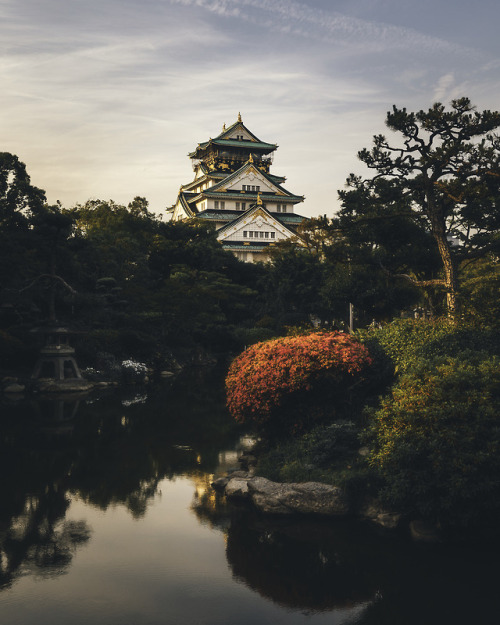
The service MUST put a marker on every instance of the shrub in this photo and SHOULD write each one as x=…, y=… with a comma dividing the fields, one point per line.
x=436, y=440
x=295, y=381
x=315, y=456
x=408, y=342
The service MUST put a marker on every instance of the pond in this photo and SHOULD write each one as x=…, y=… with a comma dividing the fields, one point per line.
x=107, y=518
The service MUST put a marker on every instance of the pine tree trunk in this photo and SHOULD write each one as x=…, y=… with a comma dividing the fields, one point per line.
x=450, y=274
x=438, y=226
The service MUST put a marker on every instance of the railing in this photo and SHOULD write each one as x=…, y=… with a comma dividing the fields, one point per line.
x=231, y=159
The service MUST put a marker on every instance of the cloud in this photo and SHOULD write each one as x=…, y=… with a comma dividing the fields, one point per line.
x=334, y=27
x=104, y=98
x=443, y=88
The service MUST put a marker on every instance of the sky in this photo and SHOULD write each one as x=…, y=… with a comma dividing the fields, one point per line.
x=105, y=98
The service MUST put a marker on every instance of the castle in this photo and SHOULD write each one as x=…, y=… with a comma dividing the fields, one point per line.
x=233, y=189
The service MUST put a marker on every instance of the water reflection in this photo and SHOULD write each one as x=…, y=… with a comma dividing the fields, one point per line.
x=318, y=566
x=116, y=450
x=37, y=540
x=104, y=449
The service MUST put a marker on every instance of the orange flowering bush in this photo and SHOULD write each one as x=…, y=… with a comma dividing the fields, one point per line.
x=293, y=374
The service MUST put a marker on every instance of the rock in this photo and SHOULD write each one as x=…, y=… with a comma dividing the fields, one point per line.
x=220, y=483
x=166, y=374
x=363, y=451
x=9, y=380
x=102, y=384
x=235, y=473
x=237, y=488
x=14, y=388
x=70, y=385
x=424, y=531
x=305, y=498
x=375, y=512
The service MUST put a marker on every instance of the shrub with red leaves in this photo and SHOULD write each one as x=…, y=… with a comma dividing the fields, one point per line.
x=292, y=377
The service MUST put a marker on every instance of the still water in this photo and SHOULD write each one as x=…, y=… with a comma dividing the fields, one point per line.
x=107, y=518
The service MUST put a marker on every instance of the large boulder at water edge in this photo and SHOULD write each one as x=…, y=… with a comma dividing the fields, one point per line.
x=305, y=498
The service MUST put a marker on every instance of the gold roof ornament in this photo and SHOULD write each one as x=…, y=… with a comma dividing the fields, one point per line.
x=239, y=117
x=250, y=158
x=223, y=126
x=259, y=199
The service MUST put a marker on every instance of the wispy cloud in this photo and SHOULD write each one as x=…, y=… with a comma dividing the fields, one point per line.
x=299, y=19
x=106, y=97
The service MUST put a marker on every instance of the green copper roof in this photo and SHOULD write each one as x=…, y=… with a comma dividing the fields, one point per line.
x=261, y=145
x=237, y=195
x=216, y=215
x=289, y=218
x=252, y=247
x=236, y=143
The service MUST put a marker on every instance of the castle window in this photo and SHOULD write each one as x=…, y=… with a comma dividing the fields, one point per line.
x=222, y=204
x=243, y=206
x=245, y=233
x=272, y=235
x=267, y=235
x=237, y=206
x=216, y=204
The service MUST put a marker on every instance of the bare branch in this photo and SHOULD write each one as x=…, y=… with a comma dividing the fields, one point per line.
x=50, y=276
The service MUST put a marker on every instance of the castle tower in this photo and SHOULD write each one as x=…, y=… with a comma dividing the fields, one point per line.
x=234, y=189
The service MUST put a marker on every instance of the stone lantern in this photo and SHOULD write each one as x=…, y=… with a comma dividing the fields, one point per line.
x=57, y=358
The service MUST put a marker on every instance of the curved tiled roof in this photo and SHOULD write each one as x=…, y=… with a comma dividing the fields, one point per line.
x=227, y=181
x=235, y=143
x=237, y=195
x=248, y=212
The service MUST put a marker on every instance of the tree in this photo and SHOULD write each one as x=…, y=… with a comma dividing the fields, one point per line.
x=51, y=227
x=18, y=197
x=291, y=285
x=19, y=201
x=333, y=274
x=441, y=185
x=33, y=236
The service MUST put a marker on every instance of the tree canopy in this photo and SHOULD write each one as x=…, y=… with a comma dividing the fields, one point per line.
x=438, y=189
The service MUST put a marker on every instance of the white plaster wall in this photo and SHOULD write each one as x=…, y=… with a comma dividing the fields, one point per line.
x=239, y=132
x=273, y=208
x=237, y=235
x=252, y=179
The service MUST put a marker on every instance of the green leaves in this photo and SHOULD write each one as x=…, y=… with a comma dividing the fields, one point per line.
x=442, y=176
x=436, y=439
